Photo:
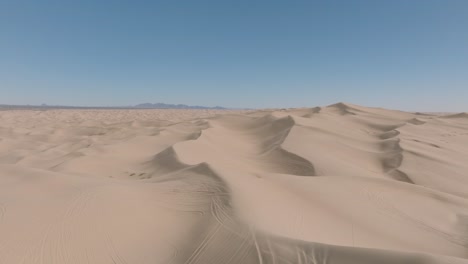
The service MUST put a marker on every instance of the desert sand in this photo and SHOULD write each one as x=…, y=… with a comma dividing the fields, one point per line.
x=336, y=184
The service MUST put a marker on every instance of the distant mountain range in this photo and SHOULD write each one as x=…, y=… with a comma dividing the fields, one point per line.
x=138, y=106
x=174, y=106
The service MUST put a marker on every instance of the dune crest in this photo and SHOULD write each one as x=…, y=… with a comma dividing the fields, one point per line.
x=459, y=115
x=337, y=184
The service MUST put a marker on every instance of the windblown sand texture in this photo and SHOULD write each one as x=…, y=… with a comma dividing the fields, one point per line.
x=338, y=184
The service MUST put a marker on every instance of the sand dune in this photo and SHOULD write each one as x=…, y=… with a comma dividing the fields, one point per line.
x=335, y=184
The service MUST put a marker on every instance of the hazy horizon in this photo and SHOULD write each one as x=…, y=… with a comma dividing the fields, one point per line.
x=403, y=55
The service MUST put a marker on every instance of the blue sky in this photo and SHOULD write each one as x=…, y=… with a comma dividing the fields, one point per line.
x=410, y=55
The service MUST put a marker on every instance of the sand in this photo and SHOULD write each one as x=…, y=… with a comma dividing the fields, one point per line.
x=336, y=184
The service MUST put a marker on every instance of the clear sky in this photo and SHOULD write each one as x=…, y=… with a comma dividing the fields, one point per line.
x=403, y=54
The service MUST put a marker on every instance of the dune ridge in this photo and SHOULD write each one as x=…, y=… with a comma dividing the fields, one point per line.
x=337, y=184
x=459, y=115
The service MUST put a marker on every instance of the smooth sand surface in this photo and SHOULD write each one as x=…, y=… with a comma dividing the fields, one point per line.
x=337, y=184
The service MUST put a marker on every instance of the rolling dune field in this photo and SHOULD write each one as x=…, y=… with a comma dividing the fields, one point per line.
x=327, y=185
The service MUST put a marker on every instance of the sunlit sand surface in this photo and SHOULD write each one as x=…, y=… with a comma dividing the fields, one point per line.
x=337, y=184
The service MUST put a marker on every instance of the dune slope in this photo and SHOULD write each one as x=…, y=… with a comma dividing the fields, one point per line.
x=337, y=184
